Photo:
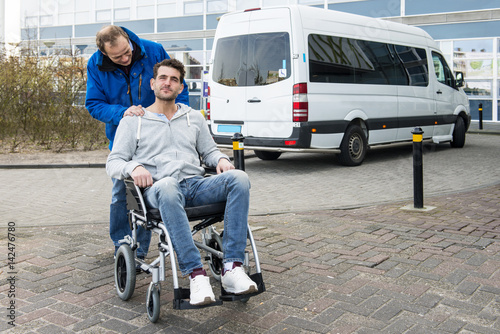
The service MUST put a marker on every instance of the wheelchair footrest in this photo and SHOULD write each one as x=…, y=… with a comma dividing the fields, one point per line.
x=257, y=278
x=181, y=302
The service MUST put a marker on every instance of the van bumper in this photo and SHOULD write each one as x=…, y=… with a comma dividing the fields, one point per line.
x=301, y=136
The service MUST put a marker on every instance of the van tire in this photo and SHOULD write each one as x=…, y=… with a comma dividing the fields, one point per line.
x=458, y=140
x=353, y=147
x=267, y=155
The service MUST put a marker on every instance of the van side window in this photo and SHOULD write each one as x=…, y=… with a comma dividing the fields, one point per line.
x=346, y=60
x=414, y=61
x=442, y=70
x=252, y=60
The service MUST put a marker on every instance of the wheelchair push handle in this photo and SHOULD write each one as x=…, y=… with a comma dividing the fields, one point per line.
x=239, y=151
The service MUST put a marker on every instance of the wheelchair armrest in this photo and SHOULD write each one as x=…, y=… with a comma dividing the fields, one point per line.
x=135, y=200
x=210, y=170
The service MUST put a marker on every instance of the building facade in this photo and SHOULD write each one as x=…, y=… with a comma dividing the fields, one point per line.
x=468, y=31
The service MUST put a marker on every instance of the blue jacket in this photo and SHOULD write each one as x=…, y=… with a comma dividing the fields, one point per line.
x=110, y=91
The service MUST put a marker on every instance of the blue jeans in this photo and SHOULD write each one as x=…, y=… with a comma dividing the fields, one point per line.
x=170, y=197
x=119, y=226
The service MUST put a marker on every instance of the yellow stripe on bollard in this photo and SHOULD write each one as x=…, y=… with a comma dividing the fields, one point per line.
x=417, y=138
x=238, y=145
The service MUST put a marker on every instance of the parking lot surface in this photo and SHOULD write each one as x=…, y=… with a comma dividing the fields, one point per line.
x=338, y=252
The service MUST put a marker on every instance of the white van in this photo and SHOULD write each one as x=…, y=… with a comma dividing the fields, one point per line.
x=298, y=78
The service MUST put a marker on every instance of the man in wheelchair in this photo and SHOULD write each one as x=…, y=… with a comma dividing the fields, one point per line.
x=161, y=151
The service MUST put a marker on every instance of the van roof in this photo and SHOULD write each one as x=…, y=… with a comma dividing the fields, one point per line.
x=310, y=16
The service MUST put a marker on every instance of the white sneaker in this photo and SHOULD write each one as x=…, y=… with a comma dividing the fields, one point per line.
x=237, y=281
x=200, y=291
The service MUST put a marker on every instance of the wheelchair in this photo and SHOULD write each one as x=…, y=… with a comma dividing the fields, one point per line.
x=210, y=243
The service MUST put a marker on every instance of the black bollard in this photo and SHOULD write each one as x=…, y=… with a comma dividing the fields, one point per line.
x=480, y=109
x=418, y=179
x=238, y=151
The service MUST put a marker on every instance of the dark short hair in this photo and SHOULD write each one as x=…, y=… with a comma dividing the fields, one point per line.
x=174, y=63
x=109, y=34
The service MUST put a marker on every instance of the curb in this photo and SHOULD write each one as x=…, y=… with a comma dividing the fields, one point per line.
x=47, y=166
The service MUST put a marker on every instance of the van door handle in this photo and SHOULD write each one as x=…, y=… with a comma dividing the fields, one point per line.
x=254, y=100
x=439, y=92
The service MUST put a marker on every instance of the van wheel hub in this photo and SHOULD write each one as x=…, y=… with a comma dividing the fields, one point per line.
x=355, y=147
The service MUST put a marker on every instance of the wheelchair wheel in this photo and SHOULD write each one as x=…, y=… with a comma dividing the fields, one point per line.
x=153, y=303
x=125, y=272
x=214, y=263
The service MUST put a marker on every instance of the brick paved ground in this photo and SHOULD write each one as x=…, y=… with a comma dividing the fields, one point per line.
x=373, y=269
x=376, y=269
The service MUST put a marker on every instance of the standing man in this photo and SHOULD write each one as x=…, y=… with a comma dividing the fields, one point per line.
x=118, y=85
x=161, y=151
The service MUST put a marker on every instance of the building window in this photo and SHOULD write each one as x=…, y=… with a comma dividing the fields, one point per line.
x=122, y=14
x=193, y=7
x=146, y=12
x=246, y=4
x=182, y=23
x=269, y=3
x=475, y=88
x=475, y=59
x=65, y=19
x=216, y=6
x=103, y=4
x=29, y=13
x=31, y=21
x=103, y=15
x=139, y=26
x=46, y=20
x=82, y=18
x=167, y=10
x=82, y=11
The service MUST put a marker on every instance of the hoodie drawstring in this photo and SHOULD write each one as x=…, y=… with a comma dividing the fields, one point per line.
x=189, y=122
x=139, y=128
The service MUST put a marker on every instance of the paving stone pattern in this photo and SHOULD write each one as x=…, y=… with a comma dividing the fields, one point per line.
x=376, y=269
x=338, y=253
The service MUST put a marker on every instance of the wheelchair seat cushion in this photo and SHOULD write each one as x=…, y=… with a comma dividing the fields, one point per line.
x=196, y=212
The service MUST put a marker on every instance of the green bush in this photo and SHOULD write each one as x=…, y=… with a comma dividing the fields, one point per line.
x=41, y=104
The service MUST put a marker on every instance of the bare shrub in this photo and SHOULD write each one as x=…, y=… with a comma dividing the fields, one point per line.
x=41, y=103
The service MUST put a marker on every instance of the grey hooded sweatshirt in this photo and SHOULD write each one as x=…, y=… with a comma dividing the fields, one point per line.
x=165, y=148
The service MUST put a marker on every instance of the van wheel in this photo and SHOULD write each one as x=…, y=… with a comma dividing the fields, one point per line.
x=353, y=146
x=458, y=140
x=267, y=155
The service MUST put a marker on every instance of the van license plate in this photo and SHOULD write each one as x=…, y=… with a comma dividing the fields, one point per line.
x=229, y=128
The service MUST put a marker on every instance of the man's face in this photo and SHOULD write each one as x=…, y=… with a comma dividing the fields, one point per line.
x=120, y=53
x=167, y=84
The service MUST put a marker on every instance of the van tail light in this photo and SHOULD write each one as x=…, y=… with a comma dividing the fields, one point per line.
x=300, y=104
x=208, y=104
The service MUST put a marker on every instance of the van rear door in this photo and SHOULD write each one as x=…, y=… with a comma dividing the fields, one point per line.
x=251, y=86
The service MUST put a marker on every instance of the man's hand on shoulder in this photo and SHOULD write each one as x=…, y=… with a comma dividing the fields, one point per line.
x=142, y=177
x=224, y=165
x=134, y=111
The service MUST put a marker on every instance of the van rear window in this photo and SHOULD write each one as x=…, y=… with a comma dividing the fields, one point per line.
x=346, y=60
x=252, y=60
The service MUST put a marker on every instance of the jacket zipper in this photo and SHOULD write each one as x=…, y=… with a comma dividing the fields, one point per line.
x=140, y=84
x=128, y=89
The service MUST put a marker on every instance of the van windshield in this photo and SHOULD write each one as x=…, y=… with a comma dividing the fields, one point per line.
x=252, y=60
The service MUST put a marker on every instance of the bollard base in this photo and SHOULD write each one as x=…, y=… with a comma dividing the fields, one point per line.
x=411, y=207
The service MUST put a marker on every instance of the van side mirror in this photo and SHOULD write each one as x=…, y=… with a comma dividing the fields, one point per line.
x=459, y=79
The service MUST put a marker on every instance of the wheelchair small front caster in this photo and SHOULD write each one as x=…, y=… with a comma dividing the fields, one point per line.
x=153, y=302
x=125, y=272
